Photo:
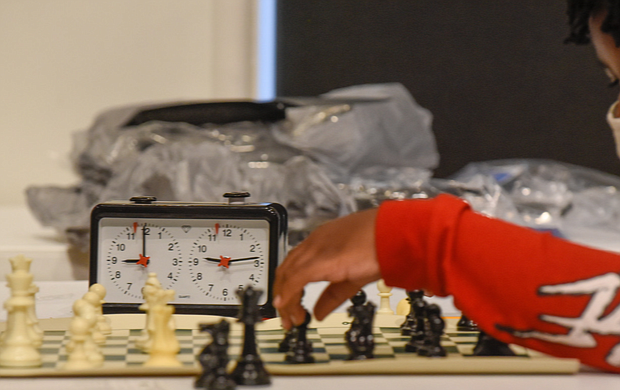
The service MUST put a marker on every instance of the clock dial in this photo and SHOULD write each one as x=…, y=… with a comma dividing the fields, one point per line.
x=133, y=250
x=227, y=257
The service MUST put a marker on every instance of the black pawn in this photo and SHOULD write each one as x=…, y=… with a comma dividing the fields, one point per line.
x=359, y=338
x=465, y=324
x=489, y=346
x=300, y=350
x=410, y=321
x=431, y=347
x=287, y=341
x=418, y=332
x=250, y=370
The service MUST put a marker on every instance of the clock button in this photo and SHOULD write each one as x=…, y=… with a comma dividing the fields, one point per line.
x=143, y=199
x=237, y=197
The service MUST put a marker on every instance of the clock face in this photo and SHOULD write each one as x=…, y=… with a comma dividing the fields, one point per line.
x=206, y=261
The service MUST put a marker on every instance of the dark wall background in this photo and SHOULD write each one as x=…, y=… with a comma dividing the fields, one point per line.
x=495, y=74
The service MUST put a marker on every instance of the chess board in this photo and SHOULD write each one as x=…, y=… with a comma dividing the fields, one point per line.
x=122, y=358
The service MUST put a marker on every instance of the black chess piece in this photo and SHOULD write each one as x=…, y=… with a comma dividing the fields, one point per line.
x=410, y=321
x=287, y=341
x=466, y=325
x=250, y=369
x=418, y=332
x=214, y=359
x=489, y=346
x=431, y=347
x=300, y=350
x=359, y=337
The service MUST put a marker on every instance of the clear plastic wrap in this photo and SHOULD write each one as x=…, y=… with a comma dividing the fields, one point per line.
x=546, y=194
x=304, y=161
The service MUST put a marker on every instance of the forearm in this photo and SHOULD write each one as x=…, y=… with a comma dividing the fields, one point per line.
x=497, y=273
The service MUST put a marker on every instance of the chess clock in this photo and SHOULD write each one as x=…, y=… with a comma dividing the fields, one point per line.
x=205, y=252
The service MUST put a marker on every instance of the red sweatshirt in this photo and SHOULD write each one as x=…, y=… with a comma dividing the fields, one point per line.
x=519, y=285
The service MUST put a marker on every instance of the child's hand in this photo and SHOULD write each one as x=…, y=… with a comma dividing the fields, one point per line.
x=341, y=252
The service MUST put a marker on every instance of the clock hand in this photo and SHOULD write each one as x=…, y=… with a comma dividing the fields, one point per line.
x=244, y=259
x=144, y=240
x=230, y=260
x=142, y=261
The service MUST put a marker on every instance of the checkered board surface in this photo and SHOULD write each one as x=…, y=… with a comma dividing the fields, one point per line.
x=122, y=358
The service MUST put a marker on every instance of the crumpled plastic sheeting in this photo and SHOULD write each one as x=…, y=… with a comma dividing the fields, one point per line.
x=543, y=193
x=393, y=132
x=304, y=162
x=374, y=185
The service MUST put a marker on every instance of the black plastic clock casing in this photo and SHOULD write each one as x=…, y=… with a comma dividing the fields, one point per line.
x=146, y=207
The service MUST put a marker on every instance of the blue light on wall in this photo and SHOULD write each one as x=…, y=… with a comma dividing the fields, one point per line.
x=266, y=61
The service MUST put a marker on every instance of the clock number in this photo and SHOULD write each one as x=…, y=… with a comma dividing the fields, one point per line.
x=129, y=286
x=256, y=263
x=117, y=275
x=252, y=248
x=240, y=287
x=171, y=246
x=114, y=260
x=175, y=261
x=202, y=248
x=146, y=230
x=210, y=287
x=170, y=276
x=120, y=247
x=225, y=292
x=227, y=232
x=131, y=236
x=241, y=237
x=196, y=261
x=199, y=277
x=252, y=277
x=212, y=237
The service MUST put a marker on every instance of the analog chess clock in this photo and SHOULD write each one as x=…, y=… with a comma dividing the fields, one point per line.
x=205, y=252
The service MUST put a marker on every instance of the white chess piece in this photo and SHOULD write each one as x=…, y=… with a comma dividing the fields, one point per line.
x=165, y=346
x=78, y=357
x=385, y=292
x=18, y=349
x=153, y=294
x=94, y=300
x=403, y=308
x=84, y=310
x=149, y=293
x=103, y=322
x=35, y=331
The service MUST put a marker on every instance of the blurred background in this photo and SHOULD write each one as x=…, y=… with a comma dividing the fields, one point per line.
x=64, y=61
x=495, y=75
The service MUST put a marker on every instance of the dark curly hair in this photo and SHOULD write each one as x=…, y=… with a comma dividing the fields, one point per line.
x=579, y=11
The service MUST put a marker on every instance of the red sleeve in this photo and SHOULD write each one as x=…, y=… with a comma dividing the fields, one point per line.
x=520, y=286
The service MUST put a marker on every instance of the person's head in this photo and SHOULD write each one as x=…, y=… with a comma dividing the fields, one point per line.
x=598, y=21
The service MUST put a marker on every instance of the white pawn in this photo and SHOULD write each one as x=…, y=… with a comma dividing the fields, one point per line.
x=95, y=301
x=85, y=311
x=78, y=358
x=385, y=292
x=403, y=308
x=103, y=323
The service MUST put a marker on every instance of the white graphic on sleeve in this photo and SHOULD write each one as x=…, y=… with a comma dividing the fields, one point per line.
x=603, y=289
